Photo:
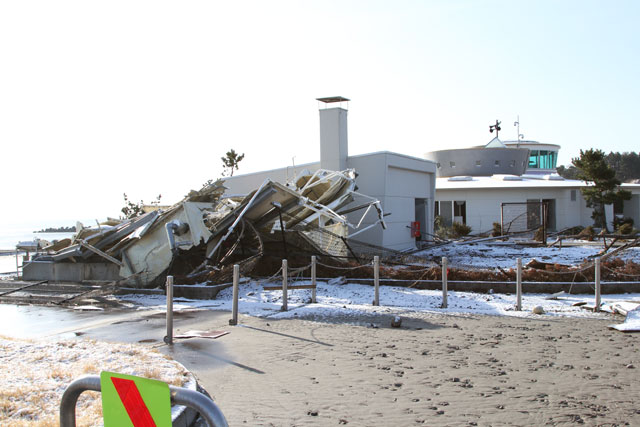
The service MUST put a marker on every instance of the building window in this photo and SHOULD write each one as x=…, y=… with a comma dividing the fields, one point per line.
x=497, y=163
x=543, y=159
x=438, y=165
x=478, y=163
x=452, y=164
x=533, y=159
x=512, y=163
x=573, y=195
x=460, y=211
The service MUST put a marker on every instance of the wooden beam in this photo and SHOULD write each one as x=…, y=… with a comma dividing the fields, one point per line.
x=102, y=254
x=23, y=287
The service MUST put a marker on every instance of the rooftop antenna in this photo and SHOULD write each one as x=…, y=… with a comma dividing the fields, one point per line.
x=520, y=136
x=495, y=127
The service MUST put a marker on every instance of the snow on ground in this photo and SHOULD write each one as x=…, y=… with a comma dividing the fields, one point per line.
x=487, y=255
x=36, y=373
x=353, y=301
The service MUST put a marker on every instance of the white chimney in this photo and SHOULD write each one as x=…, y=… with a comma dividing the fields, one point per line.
x=333, y=134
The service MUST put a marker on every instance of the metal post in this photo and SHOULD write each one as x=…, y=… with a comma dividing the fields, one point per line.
x=285, y=276
x=202, y=404
x=169, y=338
x=445, y=267
x=71, y=395
x=313, y=279
x=234, y=304
x=597, y=280
x=519, y=284
x=376, y=280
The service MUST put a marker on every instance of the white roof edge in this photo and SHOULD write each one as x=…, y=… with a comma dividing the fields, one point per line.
x=422, y=159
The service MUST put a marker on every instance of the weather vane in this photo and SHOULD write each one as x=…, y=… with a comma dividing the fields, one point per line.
x=495, y=127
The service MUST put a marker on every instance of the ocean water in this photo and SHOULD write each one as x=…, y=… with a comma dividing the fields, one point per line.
x=10, y=237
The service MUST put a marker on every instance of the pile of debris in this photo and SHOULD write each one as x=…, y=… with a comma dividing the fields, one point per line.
x=201, y=237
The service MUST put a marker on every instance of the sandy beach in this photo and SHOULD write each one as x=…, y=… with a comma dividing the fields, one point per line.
x=435, y=370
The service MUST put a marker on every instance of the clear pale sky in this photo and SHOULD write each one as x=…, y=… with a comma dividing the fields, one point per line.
x=144, y=97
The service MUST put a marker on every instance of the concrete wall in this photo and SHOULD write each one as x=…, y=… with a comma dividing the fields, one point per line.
x=480, y=161
x=70, y=272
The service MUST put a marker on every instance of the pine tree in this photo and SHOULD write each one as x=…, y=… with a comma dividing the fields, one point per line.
x=605, y=188
x=230, y=162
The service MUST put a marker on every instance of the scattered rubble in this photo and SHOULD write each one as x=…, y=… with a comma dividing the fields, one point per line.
x=201, y=237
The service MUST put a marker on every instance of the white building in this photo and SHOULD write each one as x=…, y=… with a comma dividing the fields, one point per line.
x=475, y=199
x=404, y=185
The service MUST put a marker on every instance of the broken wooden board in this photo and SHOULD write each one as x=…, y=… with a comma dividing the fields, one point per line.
x=201, y=334
x=557, y=295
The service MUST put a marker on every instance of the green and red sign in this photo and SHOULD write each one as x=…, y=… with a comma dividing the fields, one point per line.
x=129, y=401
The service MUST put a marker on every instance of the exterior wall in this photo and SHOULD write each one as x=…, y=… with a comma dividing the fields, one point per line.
x=483, y=205
x=466, y=159
x=397, y=181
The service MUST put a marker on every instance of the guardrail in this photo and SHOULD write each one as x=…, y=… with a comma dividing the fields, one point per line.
x=209, y=411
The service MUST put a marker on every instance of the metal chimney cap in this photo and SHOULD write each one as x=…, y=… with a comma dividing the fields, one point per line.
x=332, y=99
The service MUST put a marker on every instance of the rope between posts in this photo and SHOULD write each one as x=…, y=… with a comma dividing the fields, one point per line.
x=418, y=280
x=471, y=267
x=297, y=270
x=619, y=273
x=277, y=273
x=587, y=267
x=412, y=270
x=404, y=264
x=343, y=268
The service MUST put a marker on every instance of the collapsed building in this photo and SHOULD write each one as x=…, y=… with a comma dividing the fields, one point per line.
x=202, y=236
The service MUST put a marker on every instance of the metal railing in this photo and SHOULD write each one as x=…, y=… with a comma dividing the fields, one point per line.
x=179, y=396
